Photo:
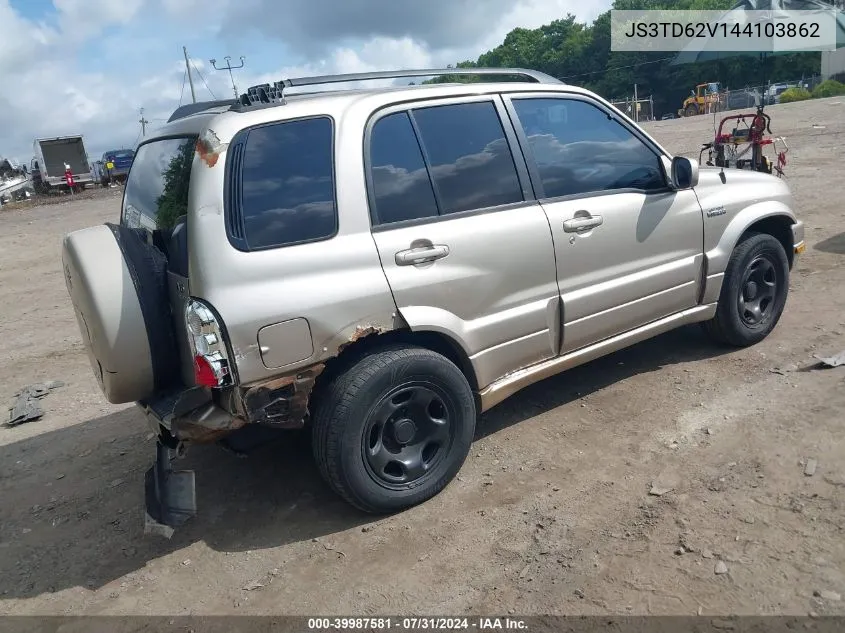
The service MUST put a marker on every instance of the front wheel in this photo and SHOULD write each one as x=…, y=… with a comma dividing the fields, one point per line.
x=393, y=429
x=753, y=294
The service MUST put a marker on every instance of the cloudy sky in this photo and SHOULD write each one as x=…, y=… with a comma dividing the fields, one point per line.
x=88, y=66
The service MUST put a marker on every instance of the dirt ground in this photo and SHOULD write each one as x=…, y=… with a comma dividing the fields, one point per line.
x=551, y=513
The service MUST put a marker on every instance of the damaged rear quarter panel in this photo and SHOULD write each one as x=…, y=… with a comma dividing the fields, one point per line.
x=337, y=285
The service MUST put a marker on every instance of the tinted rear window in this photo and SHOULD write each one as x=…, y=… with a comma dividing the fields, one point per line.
x=471, y=162
x=157, y=187
x=287, y=184
x=401, y=184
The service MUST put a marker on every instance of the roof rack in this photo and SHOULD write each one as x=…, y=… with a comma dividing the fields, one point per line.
x=275, y=93
x=193, y=108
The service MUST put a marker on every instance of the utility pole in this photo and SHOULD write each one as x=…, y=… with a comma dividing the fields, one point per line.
x=230, y=68
x=190, y=78
x=143, y=123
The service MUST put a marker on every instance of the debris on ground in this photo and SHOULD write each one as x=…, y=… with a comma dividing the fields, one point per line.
x=255, y=584
x=810, y=467
x=664, y=483
x=828, y=362
x=720, y=568
x=830, y=596
x=26, y=407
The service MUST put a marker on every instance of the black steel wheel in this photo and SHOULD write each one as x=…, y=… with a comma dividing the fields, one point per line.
x=408, y=433
x=758, y=291
x=754, y=292
x=394, y=428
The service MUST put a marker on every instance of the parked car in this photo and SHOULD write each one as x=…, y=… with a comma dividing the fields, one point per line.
x=114, y=166
x=774, y=92
x=741, y=99
x=378, y=266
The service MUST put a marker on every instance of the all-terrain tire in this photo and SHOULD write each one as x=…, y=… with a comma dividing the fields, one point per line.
x=732, y=324
x=346, y=419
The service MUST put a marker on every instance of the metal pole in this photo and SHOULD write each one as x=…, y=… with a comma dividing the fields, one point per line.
x=636, y=105
x=143, y=123
x=190, y=78
x=230, y=68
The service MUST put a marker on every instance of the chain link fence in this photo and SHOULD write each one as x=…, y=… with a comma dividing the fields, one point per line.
x=639, y=110
x=750, y=97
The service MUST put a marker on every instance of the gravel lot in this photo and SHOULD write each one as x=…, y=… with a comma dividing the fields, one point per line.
x=552, y=512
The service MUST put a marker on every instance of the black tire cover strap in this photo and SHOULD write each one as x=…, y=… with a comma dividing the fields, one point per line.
x=147, y=267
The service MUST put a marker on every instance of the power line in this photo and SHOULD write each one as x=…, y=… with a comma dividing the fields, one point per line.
x=184, y=78
x=607, y=70
x=203, y=80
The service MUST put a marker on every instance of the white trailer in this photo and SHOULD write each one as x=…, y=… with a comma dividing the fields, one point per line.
x=53, y=156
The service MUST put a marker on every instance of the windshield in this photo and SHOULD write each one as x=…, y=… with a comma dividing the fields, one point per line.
x=157, y=187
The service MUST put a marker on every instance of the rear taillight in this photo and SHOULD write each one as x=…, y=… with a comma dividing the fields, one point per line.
x=211, y=360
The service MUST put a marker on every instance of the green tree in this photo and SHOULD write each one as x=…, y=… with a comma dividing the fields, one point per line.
x=173, y=201
x=580, y=54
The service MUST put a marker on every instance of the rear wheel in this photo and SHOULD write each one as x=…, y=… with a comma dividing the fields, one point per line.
x=691, y=110
x=394, y=428
x=753, y=294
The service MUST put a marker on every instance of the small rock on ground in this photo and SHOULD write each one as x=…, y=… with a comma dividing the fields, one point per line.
x=810, y=467
x=720, y=568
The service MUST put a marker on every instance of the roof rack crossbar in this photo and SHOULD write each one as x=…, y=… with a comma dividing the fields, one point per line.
x=275, y=93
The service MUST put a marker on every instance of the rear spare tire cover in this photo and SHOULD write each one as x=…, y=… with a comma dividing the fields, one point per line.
x=104, y=288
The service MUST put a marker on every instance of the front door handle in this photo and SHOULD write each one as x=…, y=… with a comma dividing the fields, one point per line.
x=582, y=223
x=421, y=255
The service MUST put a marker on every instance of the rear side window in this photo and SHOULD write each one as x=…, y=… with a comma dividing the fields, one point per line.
x=157, y=188
x=439, y=160
x=400, y=179
x=287, y=184
x=471, y=161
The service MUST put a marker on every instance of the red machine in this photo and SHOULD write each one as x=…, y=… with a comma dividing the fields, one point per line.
x=742, y=147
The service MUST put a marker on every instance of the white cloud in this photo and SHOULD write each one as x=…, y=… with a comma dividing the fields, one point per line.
x=54, y=82
x=81, y=19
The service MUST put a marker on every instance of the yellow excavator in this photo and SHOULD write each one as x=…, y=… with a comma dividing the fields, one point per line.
x=706, y=98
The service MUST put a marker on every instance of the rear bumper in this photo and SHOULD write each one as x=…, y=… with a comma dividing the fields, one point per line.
x=169, y=495
x=798, y=243
x=179, y=417
x=190, y=415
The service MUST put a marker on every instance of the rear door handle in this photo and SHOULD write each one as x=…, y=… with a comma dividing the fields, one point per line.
x=580, y=224
x=414, y=256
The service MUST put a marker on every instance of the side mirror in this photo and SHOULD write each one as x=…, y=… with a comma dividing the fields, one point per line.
x=683, y=173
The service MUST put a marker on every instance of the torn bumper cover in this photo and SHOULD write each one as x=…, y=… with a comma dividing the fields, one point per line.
x=186, y=416
x=282, y=403
x=170, y=495
x=192, y=416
